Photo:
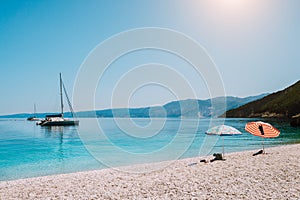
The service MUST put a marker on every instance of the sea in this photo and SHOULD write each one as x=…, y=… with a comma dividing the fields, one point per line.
x=28, y=150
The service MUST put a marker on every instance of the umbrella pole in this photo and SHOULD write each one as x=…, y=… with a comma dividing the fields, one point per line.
x=223, y=146
x=263, y=145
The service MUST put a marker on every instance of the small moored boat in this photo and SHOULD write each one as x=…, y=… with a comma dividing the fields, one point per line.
x=33, y=117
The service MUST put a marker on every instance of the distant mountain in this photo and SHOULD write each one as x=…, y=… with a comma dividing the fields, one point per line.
x=190, y=108
x=26, y=115
x=285, y=103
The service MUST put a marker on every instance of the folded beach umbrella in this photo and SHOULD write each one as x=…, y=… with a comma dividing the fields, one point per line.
x=223, y=130
x=262, y=129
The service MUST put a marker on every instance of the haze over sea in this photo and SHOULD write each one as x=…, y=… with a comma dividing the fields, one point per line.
x=28, y=150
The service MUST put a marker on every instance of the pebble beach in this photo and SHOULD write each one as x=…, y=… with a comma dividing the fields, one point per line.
x=274, y=175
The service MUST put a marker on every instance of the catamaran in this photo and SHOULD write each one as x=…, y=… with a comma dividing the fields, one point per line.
x=58, y=119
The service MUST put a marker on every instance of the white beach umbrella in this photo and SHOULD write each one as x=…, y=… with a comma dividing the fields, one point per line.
x=223, y=130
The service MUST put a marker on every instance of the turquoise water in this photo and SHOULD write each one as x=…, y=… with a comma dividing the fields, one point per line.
x=27, y=150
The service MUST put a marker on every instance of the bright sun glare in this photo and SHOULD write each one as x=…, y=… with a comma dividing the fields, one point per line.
x=232, y=9
x=232, y=17
x=233, y=4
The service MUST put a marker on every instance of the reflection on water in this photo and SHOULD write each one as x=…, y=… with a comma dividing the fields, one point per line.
x=62, y=134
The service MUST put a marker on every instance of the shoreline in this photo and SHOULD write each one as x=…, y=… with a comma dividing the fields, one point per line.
x=152, y=166
x=241, y=176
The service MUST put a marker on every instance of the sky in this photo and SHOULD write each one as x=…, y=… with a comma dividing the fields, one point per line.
x=254, y=44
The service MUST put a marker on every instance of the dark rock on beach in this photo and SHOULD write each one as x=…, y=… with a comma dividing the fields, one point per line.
x=295, y=121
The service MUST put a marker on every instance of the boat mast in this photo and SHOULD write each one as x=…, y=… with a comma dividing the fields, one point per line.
x=61, y=96
x=34, y=110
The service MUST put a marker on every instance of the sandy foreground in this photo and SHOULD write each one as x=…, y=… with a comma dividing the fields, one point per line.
x=275, y=175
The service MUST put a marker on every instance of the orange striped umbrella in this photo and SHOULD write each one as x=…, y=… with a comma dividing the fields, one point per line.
x=262, y=129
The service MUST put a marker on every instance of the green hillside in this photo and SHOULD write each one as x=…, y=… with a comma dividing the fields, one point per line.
x=282, y=104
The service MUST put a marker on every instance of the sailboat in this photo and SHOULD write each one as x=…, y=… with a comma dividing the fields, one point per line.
x=58, y=119
x=33, y=118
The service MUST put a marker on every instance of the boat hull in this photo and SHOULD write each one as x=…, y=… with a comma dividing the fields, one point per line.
x=33, y=119
x=60, y=123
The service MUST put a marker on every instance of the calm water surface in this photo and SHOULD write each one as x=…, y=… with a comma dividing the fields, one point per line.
x=27, y=150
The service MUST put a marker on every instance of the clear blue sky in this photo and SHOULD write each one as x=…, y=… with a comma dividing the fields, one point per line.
x=254, y=43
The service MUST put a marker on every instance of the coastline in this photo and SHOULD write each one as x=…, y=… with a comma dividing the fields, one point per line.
x=275, y=175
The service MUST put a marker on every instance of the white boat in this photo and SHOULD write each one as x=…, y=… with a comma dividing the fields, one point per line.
x=58, y=119
x=33, y=117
